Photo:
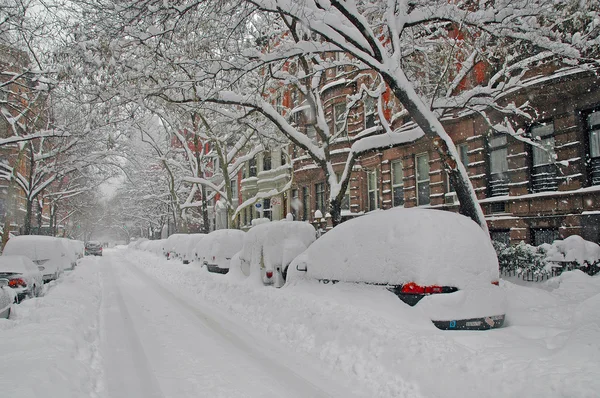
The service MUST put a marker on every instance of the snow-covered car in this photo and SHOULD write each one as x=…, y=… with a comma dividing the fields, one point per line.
x=93, y=248
x=168, y=245
x=71, y=251
x=219, y=247
x=189, y=253
x=136, y=243
x=7, y=297
x=45, y=251
x=179, y=247
x=24, y=277
x=440, y=260
x=269, y=248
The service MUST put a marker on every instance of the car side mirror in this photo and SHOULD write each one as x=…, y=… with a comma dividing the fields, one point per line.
x=3, y=282
x=301, y=267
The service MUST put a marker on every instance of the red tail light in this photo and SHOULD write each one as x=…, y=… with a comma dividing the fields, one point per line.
x=16, y=282
x=413, y=288
x=497, y=283
x=269, y=274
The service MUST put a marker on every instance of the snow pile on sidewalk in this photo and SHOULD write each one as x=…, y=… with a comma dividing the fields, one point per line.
x=49, y=346
x=550, y=348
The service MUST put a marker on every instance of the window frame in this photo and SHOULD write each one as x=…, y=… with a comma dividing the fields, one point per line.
x=372, y=203
x=396, y=185
x=335, y=116
x=419, y=182
x=267, y=161
x=305, y=203
x=320, y=196
x=252, y=167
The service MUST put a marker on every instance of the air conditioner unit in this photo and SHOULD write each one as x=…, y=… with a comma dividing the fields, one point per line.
x=450, y=198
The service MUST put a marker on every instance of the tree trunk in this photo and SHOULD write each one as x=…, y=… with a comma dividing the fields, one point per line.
x=11, y=201
x=428, y=122
x=28, y=214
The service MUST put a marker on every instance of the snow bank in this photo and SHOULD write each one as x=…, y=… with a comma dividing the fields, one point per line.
x=429, y=247
x=49, y=347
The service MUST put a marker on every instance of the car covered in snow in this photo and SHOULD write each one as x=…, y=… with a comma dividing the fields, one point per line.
x=189, y=251
x=72, y=251
x=7, y=297
x=441, y=261
x=169, y=244
x=218, y=247
x=46, y=252
x=270, y=247
x=24, y=277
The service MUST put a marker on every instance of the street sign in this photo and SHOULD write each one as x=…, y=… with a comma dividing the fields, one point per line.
x=258, y=205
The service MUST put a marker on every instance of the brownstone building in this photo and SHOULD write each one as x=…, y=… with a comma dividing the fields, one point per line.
x=533, y=193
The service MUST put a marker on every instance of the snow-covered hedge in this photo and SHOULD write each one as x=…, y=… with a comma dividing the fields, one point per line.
x=573, y=252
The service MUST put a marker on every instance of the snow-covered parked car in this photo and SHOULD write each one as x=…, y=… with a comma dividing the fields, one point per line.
x=269, y=248
x=71, y=251
x=7, y=297
x=23, y=276
x=189, y=253
x=219, y=247
x=440, y=260
x=168, y=245
x=180, y=247
x=45, y=251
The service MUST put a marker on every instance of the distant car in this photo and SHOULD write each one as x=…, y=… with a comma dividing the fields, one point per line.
x=440, y=260
x=44, y=251
x=270, y=247
x=93, y=248
x=219, y=246
x=24, y=277
x=7, y=297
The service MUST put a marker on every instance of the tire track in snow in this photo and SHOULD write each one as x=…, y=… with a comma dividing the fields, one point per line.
x=127, y=369
x=272, y=364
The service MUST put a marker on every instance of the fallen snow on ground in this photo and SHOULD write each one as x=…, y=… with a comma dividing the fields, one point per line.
x=48, y=348
x=550, y=347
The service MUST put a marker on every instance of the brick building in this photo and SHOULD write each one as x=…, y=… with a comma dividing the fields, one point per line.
x=528, y=193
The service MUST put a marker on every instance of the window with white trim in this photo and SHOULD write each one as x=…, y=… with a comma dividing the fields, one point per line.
x=422, y=176
x=372, y=190
x=397, y=183
x=339, y=111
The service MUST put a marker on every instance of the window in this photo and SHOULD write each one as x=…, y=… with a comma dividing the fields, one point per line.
x=593, y=127
x=422, y=173
x=339, y=111
x=372, y=189
x=544, y=235
x=294, y=204
x=320, y=197
x=283, y=156
x=245, y=212
x=543, y=174
x=266, y=160
x=463, y=154
x=370, y=112
x=501, y=236
x=234, y=191
x=252, y=167
x=398, y=183
x=345, y=205
x=267, y=213
x=498, y=181
x=305, y=203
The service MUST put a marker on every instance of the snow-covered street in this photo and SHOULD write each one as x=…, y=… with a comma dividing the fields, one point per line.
x=131, y=324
